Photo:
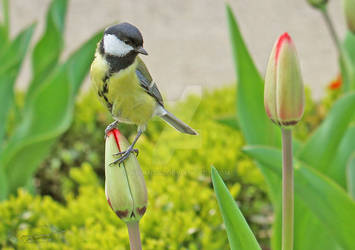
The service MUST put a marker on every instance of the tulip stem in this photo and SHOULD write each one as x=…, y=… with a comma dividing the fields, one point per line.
x=343, y=56
x=287, y=190
x=134, y=235
x=331, y=28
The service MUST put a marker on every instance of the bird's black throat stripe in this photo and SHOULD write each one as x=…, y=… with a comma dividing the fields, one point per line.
x=115, y=64
x=118, y=63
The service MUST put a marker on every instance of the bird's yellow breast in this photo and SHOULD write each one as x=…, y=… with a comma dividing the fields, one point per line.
x=122, y=93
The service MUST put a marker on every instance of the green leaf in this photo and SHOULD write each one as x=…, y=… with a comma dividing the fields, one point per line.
x=239, y=234
x=79, y=63
x=4, y=26
x=253, y=121
x=347, y=62
x=345, y=150
x=320, y=149
x=305, y=222
x=48, y=116
x=231, y=122
x=3, y=185
x=11, y=61
x=4, y=40
x=323, y=197
x=5, y=14
x=47, y=51
x=350, y=174
x=349, y=45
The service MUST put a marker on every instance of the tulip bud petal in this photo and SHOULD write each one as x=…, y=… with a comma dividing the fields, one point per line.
x=125, y=187
x=284, y=93
x=349, y=9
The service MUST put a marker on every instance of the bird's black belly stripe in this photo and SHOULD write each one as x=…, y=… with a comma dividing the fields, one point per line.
x=102, y=93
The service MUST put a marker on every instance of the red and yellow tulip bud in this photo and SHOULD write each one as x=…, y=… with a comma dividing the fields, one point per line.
x=349, y=9
x=317, y=3
x=284, y=92
x=125, y=187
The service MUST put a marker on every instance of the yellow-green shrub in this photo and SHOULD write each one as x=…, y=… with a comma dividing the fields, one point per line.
x=177, y=218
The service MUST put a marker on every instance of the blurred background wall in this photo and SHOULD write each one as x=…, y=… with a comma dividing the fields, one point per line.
x=188, y=41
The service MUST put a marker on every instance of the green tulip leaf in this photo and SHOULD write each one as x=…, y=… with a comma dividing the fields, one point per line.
x=320, y=149
x=48, y=116
x=4, y=27
x=11, y=61
x=305, y=222
x=252, y=119
x=327, y=201
x=350, y=174
x=349, y=45
x=47, y=51
x=3, y=185
x=231, y=122
x=347, y=62
x=239, y=234
x=345, y=150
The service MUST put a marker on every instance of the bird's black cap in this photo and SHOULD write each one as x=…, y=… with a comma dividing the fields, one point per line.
x=126, y=32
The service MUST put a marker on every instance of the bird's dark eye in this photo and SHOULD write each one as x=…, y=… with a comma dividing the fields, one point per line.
x=127, y=42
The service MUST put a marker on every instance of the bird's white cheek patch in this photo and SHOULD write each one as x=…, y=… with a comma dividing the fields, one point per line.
x=115, y=46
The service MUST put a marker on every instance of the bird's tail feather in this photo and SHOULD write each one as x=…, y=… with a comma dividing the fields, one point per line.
x=176, y=123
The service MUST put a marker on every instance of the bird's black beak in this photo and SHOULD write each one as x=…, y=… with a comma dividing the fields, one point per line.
x=141, y=50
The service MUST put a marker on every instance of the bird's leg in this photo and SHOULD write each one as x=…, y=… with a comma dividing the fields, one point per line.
x=124, y=154
x=111, y=126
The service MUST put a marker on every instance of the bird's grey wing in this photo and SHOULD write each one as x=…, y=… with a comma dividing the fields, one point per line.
x=147, y=82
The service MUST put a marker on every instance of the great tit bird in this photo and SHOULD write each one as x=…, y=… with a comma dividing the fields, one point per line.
x=124, y=85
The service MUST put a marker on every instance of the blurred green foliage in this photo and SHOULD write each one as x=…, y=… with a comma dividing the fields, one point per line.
x=47, y=106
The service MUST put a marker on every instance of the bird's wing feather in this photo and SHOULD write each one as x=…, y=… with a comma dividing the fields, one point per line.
x=147, y=83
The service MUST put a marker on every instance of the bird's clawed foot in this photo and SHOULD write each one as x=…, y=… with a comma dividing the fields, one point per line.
x=123, y=152
x=124, y=155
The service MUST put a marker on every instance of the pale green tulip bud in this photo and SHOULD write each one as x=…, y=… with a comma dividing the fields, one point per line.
x=317, y=3
x=349, y=9
x=283, y=92
x=125, y=187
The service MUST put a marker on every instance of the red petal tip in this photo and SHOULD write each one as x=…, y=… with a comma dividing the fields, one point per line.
x=285, y=37
x=116, y=134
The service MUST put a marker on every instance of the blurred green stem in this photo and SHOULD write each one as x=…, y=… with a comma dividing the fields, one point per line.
x=287, y=190
x=134, y=235
x=331, y=28
x=343, y=56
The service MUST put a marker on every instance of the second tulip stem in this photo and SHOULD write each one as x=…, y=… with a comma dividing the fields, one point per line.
x=331, y=28
x=343, y=56
x=287, y=190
